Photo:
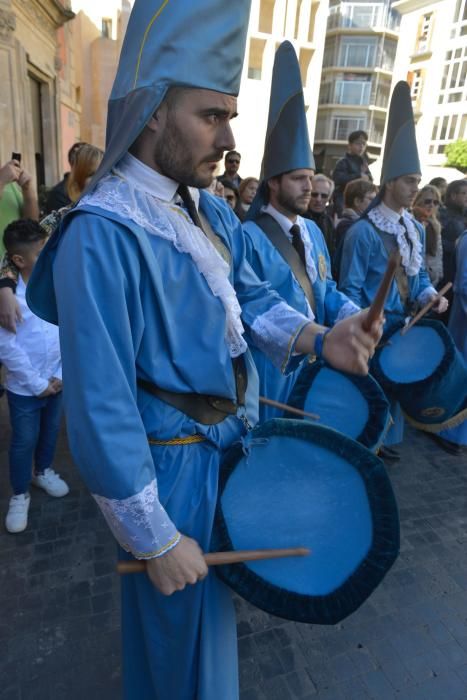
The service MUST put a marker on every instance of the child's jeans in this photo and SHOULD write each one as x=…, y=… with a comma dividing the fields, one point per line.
x=35, y=424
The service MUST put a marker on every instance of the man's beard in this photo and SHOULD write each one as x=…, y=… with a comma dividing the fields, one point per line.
x=291, y=204
x=174, y=158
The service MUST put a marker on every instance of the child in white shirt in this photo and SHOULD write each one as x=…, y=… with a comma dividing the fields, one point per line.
x=33, y=382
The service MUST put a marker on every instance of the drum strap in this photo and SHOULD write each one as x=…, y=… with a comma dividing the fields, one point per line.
x=284, y=247
x=400, y=276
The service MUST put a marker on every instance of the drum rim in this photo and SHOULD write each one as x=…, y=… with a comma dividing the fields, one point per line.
x=439, y=372
x=383, y=552
x=378, y=417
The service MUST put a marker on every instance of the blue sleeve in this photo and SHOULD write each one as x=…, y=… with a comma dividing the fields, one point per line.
x=355, y=261
x=97, y=280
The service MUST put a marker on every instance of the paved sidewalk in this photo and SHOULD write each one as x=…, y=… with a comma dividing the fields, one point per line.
x=59, y=622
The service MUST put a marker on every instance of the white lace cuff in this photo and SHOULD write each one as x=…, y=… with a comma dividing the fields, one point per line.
x=276, y=331
x=426, y=296
x=348, y=309
x=139, y=523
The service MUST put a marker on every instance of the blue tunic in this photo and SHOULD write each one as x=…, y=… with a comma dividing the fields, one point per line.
x=363, y=264
x=270, y=266
x=458, y=326
x=130, y=305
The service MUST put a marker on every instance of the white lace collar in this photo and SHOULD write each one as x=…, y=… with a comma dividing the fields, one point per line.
x=286, y=225
x=388, y=220
x=160, y=217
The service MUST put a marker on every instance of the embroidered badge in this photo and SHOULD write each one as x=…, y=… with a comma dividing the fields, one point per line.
x=322, y=267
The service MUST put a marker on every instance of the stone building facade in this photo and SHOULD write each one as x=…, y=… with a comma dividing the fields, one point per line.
x=39, y=115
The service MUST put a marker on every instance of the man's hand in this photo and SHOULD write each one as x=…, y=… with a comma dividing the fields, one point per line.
x=440, y=305
x=10, y=172
x=57, y=384
x=25, y=180
x=49, y=391
x=349, y=347
x=181, y=565
x=10, y=312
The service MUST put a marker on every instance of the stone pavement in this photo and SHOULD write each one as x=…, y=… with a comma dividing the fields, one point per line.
x=59, y=622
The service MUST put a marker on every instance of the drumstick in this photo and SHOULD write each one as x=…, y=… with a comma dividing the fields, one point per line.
x=220, y=558
x=377, y=305
x=289, y=409
x=426, y=308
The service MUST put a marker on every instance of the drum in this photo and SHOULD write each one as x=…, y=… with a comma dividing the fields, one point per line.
x=355, y=406
x=425, y=372
x=293, y=483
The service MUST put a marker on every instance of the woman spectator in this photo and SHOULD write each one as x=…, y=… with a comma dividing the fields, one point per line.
x=86, y=162
x=425, y=210
x=246, y=194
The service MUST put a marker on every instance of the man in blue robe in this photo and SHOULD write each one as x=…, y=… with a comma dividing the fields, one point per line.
x=303, y=277
x=388, y=226
x=148, y=280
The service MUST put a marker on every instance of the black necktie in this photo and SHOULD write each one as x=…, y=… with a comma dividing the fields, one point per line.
x=298, y=243
x=190, y=206
x=406, y=233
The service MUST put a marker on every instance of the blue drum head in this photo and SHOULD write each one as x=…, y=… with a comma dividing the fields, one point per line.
x=295, y=484
x=353, y=405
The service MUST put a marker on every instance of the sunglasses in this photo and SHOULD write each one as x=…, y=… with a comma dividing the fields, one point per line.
x=320, y=195
x=233, y=160
x=431, y=201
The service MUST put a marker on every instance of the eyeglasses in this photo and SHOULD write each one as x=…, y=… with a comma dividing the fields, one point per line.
x=432, y=201
x=233, y=160
x=320, y=195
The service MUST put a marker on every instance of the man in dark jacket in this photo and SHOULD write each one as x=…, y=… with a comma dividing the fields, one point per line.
x=352, y=166
x=453, y=222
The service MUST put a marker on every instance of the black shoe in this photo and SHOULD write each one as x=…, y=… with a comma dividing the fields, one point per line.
x=389, y=454
x=451, y=447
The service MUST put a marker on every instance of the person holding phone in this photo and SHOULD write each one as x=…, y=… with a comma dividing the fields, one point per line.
x=18, y=197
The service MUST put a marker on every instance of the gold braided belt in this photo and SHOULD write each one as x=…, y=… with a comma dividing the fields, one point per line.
x=189, y=440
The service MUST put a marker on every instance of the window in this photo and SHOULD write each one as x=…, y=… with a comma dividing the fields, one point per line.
x=389, y=54
x=416, y=85
x=106, y=27
x=342, y=126
x=255, y=58
x=444, y=128
x=424, y=33
x=329, y=52
x=452, y=127
x=435, y=129
x=357, y=52
x=352, y=92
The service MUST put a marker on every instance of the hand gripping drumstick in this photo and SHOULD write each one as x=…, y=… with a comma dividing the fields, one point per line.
x=219, y=558
x=377, y=305
x=426, y=308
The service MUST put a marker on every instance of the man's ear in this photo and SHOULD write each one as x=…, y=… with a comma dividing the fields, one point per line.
x=273, y=184
x=17, y=260
x=158, y=118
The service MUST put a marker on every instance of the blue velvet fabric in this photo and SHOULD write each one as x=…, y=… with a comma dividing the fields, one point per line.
x=353, y=405
x=292, y=483
x=424, y=371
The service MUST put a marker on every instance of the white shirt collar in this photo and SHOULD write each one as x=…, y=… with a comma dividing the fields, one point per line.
x=144, y=178
x=390, y=214
x=281, y=219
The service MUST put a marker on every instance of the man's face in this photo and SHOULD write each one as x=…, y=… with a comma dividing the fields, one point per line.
x=403, y=190
x=230, y=198
x=357, y=148
x=290, y=193
x=191, y=134
x=320, y=193
x=460, y=198
x=361, y=204
x=232, y=164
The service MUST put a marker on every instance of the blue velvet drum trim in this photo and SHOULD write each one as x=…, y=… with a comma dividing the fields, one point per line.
x=424, y=371
x=353, y=405
x=292, y=483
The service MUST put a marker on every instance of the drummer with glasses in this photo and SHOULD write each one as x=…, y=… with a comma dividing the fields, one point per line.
x=387, y=226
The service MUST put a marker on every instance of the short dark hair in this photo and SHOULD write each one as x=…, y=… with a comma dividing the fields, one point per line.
x=357, y=189
x=438, y=182
x=229, y=184
x=232, y=153
x=20, y=234
x=454, y=188
x=356, y=135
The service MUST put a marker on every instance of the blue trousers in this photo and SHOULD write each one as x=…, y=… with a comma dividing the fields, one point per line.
x=34, y=424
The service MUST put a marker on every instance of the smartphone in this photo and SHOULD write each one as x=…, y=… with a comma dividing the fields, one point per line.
x=16, y=156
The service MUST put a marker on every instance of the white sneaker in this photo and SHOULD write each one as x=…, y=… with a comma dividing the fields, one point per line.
x=17, y=516
x=51, y=483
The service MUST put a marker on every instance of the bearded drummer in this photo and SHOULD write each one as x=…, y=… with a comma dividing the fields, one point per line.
x=387, y=226
x=285, y=249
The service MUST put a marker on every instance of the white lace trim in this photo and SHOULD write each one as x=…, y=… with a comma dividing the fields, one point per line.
x=139, y=523
x=169, y=221
x=411, y=256
x=346, y=310
x=275, y=332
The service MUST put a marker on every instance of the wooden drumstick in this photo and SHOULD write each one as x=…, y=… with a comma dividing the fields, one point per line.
x=377, y=305
x=220, y=558
x=426, y=308
x=287, y=408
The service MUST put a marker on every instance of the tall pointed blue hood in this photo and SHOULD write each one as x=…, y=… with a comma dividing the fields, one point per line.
x=400, y=149
x=287, y=145
x=187, y=43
